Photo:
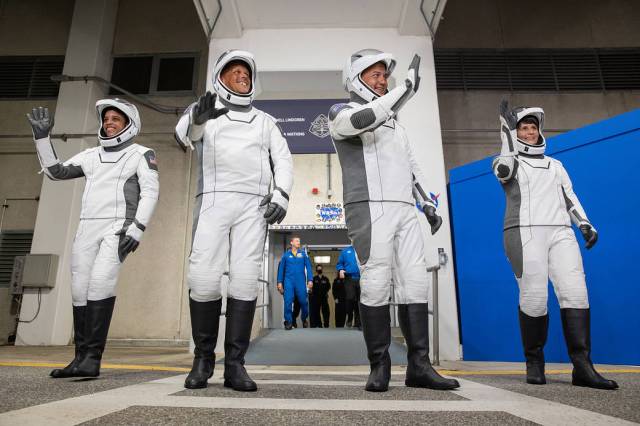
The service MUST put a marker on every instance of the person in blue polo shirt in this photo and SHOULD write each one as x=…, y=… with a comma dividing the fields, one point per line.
x=349, y=271
x=292, y=279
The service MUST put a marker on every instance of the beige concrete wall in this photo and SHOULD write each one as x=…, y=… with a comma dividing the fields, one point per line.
x=19, y=165
x=507, y=24
x=34, y=27
x=463, y=111
x=540, y=24
x=310, y=171
x=152, y=301
x=151, y=26
x=152, y=295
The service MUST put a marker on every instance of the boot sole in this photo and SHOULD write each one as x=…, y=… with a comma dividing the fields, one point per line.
x=376, y=389
x=593, y=385
x=87, y=375
x=228, y=384
x=536, y=381
x=433, y=387
x=198, y=386
x=63, y=376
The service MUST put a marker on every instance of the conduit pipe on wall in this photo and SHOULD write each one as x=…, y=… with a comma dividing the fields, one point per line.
x=165, y=109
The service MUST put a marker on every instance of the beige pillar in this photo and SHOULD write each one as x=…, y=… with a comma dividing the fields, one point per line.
x=88, y=53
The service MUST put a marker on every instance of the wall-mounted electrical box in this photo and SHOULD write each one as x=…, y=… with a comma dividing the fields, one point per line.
x=39, y=271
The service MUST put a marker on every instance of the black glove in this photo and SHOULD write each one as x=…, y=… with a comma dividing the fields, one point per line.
x=41, y=122
x=434, y=220
x=413, y=78
x=277, y=203
x=589, y=234
x=205, y=109
x=127, y=243
x=509, y=118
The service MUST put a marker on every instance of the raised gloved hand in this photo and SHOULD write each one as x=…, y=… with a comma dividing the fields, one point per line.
x=589, y=234
x=413, y=78
x=277, y=203
x=41, y=122
x=130, y=238
x=434, y=220
x=508, y=125
x=205, y=109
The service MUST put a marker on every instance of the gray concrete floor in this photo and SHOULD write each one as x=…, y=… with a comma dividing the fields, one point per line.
x=623, y=403
x=27, y=386
x=199, y=416
x=143, y=385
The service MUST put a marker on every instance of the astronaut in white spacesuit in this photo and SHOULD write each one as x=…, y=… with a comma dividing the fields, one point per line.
x=119, y=197
x=241, y=152
x=381, y=184
x=540, y=244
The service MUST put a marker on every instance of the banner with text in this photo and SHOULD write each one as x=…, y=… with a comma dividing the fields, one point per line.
x=304, y=123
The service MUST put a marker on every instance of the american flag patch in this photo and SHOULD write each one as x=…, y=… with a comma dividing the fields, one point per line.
x=152, y=162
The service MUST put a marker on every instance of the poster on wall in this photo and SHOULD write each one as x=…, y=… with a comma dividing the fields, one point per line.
x=304, y=123
x=329, y=213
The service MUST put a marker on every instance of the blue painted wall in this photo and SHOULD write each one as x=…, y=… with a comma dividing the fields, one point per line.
x=603, y=161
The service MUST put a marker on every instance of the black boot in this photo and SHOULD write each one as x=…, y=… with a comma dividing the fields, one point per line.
x=576, y=324
x=97, y=321
x=79, y=342
x=376, y=329
x=205, y=319
x=236, y=343
x=414, y=323
x=534, y=336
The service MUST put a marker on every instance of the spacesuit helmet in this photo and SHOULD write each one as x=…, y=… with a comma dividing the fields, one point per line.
x=537, y=114
x=356, y=64
x=130, y=130
x=235, y=98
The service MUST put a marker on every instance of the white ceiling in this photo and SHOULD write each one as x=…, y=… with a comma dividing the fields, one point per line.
x=240, y=15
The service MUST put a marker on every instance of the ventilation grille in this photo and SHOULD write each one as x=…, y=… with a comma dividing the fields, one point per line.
x=12, y=244
x=27, y=77
x=537, y=69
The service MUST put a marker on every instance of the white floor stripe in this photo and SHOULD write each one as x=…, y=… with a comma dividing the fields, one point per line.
x=537, y=410
x=159, y=393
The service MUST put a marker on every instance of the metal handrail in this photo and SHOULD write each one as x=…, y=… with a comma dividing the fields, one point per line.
x=223, y=313
x=262, y=305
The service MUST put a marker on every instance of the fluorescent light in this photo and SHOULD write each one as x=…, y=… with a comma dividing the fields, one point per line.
x=321, y=259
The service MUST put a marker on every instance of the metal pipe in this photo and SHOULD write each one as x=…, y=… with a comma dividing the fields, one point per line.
x=215, y=21
x=436, y=321
x=496, y=130
x=329, y=190
x=165, y=109
x=426, y=21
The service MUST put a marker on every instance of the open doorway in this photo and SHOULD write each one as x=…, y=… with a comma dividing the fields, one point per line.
x=323, y=247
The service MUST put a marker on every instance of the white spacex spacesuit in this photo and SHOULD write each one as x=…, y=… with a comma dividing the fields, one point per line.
x=538, y=238
x=540, y=244
x=245, y=175
x=381, y=184
x=120, y=194
x=235, y=152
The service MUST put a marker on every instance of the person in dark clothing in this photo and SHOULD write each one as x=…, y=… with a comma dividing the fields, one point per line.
x=296, y=313
x=318, y=299
x=349, y=270
x=339, y=296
